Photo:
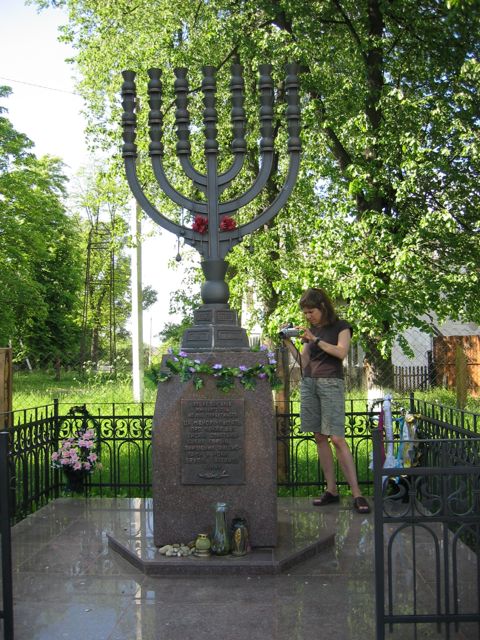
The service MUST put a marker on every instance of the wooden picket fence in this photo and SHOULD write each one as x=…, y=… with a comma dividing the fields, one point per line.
x=411, y=378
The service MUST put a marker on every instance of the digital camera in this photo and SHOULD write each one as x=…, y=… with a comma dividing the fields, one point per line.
x=289, y=332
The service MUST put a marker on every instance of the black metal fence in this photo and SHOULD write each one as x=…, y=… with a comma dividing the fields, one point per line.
x=124, y=439
x=447, y=420
x=6, y=612
x=123, y=436
x=298, y=469
x=427, y=521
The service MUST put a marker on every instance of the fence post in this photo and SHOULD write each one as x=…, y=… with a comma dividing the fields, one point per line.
x=461, y=376
x=6, y=547
x=378, y=536
x=56, y=429
x=282, y=398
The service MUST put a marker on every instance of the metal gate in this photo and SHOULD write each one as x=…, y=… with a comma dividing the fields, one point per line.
x=429, y=515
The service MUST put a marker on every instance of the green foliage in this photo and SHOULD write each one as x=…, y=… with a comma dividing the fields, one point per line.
x=385, y=213
x=172, y=333
x=448, y=398
x=99, y=201
x=153, y=373
x=40, y=265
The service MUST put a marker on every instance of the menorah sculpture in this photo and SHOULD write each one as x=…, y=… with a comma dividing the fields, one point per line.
x=216, y=325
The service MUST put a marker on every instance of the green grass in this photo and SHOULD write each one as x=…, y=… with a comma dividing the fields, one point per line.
x=38, y=388
x=448, y=398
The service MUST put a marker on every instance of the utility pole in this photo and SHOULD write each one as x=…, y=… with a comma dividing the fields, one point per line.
x=137, y=306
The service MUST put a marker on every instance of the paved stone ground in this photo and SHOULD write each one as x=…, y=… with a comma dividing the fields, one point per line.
x=69, y=584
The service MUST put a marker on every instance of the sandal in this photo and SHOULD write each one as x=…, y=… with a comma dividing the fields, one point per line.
x=326, y=498
x=361, y=505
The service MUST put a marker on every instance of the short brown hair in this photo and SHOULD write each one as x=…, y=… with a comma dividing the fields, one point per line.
x=316, y=298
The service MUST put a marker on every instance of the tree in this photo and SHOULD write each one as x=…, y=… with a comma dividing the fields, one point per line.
x=39, y=261
x=385, y=211
x=100, y=201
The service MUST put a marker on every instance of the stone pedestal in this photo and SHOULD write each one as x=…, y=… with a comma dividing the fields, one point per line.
x=216, y=327
x=211, y=446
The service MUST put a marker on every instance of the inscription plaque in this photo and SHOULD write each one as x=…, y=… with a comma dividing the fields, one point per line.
x=213, y=445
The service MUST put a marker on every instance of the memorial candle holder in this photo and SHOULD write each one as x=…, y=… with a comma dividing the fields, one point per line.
x=215, y=230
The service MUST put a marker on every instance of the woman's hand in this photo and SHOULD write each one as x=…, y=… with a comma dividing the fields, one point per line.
x=307, y=335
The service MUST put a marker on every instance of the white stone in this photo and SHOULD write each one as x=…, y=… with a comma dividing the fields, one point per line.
x=163, y=550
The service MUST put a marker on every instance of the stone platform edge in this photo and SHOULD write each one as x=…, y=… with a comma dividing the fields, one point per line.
x=264, y=560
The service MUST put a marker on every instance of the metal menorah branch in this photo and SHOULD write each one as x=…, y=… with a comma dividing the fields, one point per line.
x=215, y=232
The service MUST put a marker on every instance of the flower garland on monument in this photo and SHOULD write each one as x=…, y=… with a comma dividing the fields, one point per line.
x=187, y=369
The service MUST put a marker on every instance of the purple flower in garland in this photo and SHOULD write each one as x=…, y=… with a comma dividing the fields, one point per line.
x=262, y=375
x=182, y=354
x=242, y=367
x=217, y=366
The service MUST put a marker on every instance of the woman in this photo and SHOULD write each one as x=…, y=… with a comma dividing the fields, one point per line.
x=326, y=342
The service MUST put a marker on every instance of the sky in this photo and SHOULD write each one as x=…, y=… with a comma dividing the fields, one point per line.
x=44, y=106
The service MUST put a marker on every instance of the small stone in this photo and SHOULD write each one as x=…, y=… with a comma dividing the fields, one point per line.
x=163, y=550
x=170, y=553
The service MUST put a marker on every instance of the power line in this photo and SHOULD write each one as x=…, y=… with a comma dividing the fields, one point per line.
x=40, y=86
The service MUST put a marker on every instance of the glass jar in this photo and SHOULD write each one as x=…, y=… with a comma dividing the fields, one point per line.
x=239, y=537
x=202, y=545
x=220, y=540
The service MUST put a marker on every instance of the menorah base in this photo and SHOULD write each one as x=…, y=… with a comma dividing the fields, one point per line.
x=216, y=328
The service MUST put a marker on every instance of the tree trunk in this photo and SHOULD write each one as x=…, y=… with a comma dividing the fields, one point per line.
x=6, y=378
x=378, y=368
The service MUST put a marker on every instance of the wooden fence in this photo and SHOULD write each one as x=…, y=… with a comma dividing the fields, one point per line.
x=445, y=350
x=411, y=378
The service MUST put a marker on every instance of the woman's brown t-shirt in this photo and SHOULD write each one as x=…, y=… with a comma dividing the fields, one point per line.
x=316, y=363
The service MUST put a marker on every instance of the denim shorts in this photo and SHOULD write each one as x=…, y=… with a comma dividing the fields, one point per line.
x=322, y=406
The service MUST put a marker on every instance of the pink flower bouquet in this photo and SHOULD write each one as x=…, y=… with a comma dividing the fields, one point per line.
x=78, y=453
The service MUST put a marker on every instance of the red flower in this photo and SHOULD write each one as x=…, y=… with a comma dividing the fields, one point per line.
x=227, y=224
x=200, y=224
